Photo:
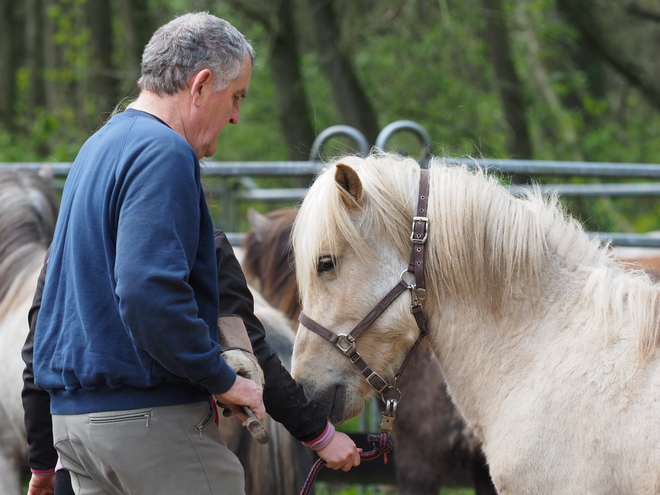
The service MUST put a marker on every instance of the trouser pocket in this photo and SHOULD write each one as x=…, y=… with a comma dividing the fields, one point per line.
x=121, y=418
x=206, y=420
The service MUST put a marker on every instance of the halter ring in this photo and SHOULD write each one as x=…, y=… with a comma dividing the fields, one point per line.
x=344, y=343
x=411, y=286
x=390, y=388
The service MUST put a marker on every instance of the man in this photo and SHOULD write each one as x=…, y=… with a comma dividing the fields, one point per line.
x=126, y=340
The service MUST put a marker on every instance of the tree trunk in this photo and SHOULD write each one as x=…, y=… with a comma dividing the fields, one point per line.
x=10, y=47
x=103, y=83
x=138, y=26
x=292, y=105
x=351, y=99
x=293, y=110
x=509, y=84
x=644, y=13
x=561, y=127
x=34, y=56
x=581, y=15
x=51, y=59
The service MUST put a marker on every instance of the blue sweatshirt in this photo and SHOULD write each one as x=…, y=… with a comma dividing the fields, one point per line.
x=129, y=311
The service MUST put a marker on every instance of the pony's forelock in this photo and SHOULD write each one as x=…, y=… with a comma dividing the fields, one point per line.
x=325, y=226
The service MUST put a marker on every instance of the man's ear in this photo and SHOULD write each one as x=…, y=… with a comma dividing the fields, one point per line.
x=200, y=85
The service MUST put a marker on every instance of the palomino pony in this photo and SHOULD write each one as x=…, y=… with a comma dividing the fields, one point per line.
x=549, y=347
x=431, y=441
x=28, y=209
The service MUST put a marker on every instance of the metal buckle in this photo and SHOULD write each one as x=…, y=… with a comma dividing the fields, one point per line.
x=376, y=375
x=418, y=296
x=388, y=416
x=345, y=343
x=354, y=358
x=412, y=234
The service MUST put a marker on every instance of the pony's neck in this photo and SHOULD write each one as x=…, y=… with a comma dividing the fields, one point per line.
x=484, y=353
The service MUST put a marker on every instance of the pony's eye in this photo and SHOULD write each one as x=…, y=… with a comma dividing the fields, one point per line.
x=325, y=264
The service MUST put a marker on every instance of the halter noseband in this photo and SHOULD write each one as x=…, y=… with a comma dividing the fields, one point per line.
x=346, y=342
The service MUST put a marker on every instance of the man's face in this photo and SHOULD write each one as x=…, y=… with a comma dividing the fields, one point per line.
x=221, y=108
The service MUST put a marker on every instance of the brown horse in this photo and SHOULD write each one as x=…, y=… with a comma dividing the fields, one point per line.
x=432, y=443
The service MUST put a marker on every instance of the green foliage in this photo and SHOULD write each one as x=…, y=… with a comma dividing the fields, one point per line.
x=418, y=60
x=48, y=137
x=429, y=66
x=256, y=137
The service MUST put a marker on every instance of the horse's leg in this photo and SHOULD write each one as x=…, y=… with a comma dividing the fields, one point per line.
x=483, y=484
x=13, y=449
x=10, y=473
x=276, y=468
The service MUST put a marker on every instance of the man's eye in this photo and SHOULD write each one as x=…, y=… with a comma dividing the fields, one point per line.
x=325, y=264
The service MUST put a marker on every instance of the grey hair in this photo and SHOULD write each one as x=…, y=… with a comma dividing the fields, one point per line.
x=188, y=44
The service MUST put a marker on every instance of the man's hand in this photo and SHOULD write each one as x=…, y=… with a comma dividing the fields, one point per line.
x=247, y=393
x=42, y=484
x=341, y=453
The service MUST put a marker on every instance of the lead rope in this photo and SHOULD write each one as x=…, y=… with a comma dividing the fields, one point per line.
x=382, y=445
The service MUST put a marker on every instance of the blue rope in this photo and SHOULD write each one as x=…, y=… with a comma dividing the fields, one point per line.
x=382, y=445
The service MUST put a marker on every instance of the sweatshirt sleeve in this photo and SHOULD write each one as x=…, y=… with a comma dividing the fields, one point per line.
x=42, y=456
x=163, y=231
x=284, y=399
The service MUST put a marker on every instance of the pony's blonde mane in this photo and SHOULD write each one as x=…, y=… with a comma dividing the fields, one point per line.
x=484, y=245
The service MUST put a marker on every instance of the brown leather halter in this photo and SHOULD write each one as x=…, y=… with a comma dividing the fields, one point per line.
x=390, y=394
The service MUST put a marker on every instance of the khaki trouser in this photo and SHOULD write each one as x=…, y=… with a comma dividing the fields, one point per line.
x=167, y=450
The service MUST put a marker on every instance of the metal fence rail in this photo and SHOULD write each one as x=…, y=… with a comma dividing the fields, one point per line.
x=234, y=191
x=235, y=185
x=311, y=168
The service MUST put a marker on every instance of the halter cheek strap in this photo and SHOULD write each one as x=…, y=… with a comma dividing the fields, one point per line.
x=346, y=342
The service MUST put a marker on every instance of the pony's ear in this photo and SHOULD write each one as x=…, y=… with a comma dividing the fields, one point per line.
x=260, y=224
x=350, y=186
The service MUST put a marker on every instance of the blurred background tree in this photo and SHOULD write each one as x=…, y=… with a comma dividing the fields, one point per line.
x=537, y=79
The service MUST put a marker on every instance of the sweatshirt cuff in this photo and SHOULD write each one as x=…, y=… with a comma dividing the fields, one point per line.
x=42, y=472
x=222, y=381
x=323, y=440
